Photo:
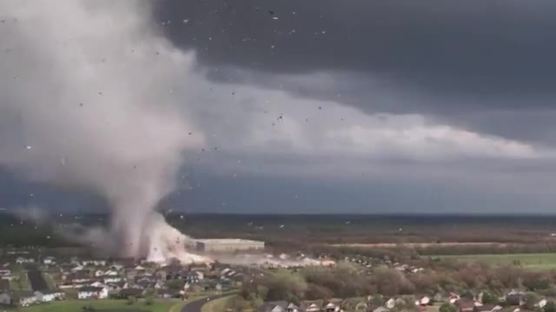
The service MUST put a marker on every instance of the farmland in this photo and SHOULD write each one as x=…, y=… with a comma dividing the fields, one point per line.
x=532, y=261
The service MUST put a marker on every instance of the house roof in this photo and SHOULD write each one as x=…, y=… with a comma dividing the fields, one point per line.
x=381, y=309
x=49, y=292
x=90, y=289
x=272, y=305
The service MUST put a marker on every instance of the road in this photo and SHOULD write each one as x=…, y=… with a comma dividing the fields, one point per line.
x=195, y=306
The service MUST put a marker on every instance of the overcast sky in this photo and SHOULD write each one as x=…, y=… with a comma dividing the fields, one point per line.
x=354, y=106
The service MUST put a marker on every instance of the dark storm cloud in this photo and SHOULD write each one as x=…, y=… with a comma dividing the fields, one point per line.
x=471, y=48
x=297, y=105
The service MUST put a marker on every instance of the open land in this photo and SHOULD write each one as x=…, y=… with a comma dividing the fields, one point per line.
x=102, y=306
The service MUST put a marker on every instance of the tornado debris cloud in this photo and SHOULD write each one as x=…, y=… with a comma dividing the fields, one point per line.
x=87, y=101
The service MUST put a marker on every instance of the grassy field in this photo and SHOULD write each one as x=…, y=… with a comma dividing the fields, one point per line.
x=217, y=305
x=21, y=282
x=533, y=261
x=49, y=280
x=105, y=306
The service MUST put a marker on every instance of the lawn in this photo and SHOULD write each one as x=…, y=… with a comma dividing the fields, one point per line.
x=21, y=282
x=104, y=306
x=217, y=305
x=532, y=261
x=49, y=280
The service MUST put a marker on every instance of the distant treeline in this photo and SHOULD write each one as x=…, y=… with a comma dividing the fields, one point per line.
x=505, y=248
x=19, y=233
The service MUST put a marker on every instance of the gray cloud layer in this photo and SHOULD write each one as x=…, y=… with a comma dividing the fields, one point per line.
x=456, y=60
x=385, y=106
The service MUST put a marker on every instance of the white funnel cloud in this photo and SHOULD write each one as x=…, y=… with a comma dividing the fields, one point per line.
x=86, y=100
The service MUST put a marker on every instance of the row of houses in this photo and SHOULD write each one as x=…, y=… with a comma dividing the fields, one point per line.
x=513, y=301
x=25, y=299
x=334, y=305
x=100, y=279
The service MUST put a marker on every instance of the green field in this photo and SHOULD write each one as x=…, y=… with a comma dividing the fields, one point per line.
x=105, y=306
x=532, y=261
x=217, y=305
x=21, y=283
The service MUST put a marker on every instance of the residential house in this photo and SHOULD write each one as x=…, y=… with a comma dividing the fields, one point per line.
x=381, y=309
x=193, y=277
x=97, y=284
x=512, y=309
x=22, y=260
x=487, y=308
x=516, y=298
x=77, y=267
x=311, y=306
x=159, y=284
x=274, y=306
x=27, y=299
x=167, y=294
x=107, y=279
x=390, y=303
x=465, y=305
x=453, y=297
x=90, y=292
x=49, y=296
x=115, y=288
x=131, y=292
x=78, y=277
x=175, y=272
x=94, y=262
x=425, y=300
x=145, y=282
x=333, y=306
x=355, y=304
x=111, y=272
x=293, y=308
x=541, y=304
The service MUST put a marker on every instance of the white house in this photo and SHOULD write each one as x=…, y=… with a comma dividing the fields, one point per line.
x=94, y=262
x=21, y=260
x=111, y=279
x=97, y=284
x=332, y=307
x=90, y=292
x=111, y=273
x=390, y=303
x=541, y=304
x=424, y=301
x=28, y=299
x=49, y=296
x=77, y=267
